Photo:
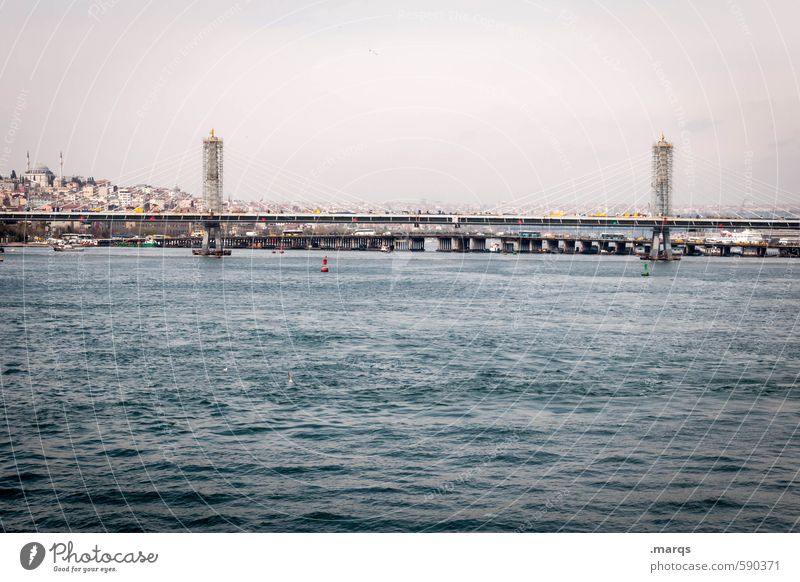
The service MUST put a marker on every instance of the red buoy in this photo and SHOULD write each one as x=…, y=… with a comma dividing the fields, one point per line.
x=324, y=268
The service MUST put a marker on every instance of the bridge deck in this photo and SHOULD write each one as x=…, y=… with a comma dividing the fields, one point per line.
x=420, y=219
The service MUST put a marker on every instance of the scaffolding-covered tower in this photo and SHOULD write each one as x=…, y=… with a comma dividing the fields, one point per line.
x=212, y=195
x=661, y=203
x=662, y=178
x=212, y=173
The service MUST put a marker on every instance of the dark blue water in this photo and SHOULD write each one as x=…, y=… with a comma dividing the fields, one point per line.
x=149, y=390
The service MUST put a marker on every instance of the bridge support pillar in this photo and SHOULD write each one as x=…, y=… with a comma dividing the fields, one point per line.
x=508, y=245
x=660, y=232
x=213, y=230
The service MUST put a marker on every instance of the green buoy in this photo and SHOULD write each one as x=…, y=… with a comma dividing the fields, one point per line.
x=645, y=270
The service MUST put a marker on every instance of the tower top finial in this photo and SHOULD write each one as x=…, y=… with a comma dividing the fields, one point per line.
x=212, y=132
x=662, y=136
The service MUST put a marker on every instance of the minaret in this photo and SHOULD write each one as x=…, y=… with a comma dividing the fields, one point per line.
x=60, y=168
x=28, y=164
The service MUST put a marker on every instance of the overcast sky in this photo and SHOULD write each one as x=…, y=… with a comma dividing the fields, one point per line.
x=552, y=102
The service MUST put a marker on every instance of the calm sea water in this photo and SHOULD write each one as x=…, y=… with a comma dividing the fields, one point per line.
x=150, y=390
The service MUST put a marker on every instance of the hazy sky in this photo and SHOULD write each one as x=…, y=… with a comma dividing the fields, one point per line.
x=550, y=102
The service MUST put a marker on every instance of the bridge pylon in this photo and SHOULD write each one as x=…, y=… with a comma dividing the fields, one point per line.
x=212, y=230
x=661, y=203
x=661, y=236
x=212, y=197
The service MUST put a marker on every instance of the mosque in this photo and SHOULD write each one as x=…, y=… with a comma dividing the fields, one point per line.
x=41, y=176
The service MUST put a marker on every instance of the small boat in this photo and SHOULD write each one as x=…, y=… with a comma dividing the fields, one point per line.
x=676, y=256
x=67, y=248
x=211, y=253
x=384, y=248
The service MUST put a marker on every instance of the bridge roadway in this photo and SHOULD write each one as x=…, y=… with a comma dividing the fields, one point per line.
x=453, y=220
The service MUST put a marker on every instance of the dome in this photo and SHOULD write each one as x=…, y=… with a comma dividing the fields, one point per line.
x=38, y=168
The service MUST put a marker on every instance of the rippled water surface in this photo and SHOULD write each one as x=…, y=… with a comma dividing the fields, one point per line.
x=150, y=390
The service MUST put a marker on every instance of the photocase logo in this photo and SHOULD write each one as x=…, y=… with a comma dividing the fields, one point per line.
x=31, y=555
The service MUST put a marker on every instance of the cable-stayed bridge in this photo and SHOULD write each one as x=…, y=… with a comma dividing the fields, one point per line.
x=625, y=176
x=424, y=219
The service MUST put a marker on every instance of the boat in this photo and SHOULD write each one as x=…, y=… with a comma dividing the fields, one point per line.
x=676, y=256
x=68, y=248
x=385, y=248
x=211, y=253
x=676, y=253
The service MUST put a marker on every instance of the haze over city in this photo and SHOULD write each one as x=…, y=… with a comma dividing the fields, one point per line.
x=469, y=103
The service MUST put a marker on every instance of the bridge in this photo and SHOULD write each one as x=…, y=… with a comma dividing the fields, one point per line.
x=661, y=222
x=451, y=220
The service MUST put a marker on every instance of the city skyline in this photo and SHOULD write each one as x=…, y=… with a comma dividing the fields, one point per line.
x=464, y=104
x=304, y=194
